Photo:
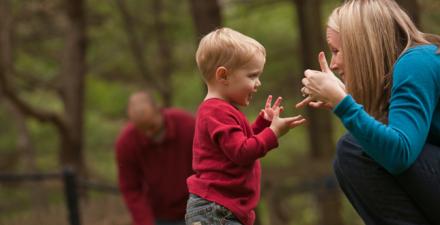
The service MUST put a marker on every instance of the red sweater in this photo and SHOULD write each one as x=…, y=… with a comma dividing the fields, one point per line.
x=225, y=157
x=152, y=176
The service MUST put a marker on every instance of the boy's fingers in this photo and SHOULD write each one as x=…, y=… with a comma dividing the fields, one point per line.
x=297, y=123
x=277, y=111
x=323, y=63
x=268, y=101
x=290, y=120
x=277, y=102
x=304, y=102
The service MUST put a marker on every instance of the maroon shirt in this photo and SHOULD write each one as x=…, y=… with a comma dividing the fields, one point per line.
x=225, y=157
x=152, y=176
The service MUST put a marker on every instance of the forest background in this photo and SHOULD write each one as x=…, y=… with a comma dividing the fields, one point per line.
x=68, y=66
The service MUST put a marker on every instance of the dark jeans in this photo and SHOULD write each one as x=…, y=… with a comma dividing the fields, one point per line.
x=166, y=222
x=380, y=198
x=200, y=211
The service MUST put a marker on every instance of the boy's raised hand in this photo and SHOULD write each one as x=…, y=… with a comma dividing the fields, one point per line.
x=281, y=126
x=269, y=109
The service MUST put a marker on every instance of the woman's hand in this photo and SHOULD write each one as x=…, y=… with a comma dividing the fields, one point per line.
x=322, y=88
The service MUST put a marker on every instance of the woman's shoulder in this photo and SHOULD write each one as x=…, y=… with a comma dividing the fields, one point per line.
x=421, y=52
x=420, y=56
x=419, y=64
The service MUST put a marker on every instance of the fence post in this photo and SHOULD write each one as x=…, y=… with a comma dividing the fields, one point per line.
x=71, y=195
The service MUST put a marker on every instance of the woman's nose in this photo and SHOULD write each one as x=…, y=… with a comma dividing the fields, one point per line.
x=333, y=65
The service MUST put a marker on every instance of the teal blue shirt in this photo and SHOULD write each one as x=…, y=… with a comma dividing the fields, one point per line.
x=414, y=112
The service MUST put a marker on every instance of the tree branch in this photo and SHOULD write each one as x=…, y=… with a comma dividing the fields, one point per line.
x=6, y=66
x=137, y=48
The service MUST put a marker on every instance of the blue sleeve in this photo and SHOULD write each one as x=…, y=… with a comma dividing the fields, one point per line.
x=414, y=96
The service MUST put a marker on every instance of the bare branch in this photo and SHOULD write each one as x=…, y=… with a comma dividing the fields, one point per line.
x=164, y=67
x=6, y=66
x=137, y=48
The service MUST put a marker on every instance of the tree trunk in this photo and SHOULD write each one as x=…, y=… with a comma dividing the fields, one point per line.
x=24, y=143
x=70, y=125
x=73, y=71
x=206, y=16
x=320, y=129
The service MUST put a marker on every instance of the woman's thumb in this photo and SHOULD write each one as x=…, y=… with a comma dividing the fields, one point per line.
x=323, y=63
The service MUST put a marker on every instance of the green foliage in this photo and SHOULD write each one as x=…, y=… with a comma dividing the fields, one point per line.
x=106, y=98
x=45, y=140
x=8, y=131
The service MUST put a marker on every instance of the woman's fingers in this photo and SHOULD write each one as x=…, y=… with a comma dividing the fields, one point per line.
x=303, y=91
x=323, y=63
x=304, y=102
x=320, y=105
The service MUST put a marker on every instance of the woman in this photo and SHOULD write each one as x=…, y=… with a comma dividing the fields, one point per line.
x=388, y=164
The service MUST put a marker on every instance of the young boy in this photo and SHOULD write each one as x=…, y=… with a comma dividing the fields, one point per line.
x=226, y=149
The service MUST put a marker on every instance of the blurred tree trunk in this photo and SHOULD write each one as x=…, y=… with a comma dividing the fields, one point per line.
x=24, y=143
x=412, y=7
x=320, y=130
x=206, y=16
x=73, y=70
x=70, y=124
x=26, y=150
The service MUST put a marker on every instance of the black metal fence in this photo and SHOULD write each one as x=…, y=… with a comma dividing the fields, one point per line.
x=71, y=183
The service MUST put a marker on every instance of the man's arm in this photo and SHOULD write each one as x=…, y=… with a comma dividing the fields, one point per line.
x=130, y=184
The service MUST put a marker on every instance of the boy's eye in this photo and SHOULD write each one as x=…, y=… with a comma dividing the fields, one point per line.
x=253, y=76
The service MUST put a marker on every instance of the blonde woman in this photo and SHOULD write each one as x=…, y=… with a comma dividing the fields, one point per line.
x=388, y=164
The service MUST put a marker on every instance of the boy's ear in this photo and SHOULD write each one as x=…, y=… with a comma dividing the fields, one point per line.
x=221, y=74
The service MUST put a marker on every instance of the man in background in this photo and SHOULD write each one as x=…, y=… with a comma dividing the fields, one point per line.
x=154, y=158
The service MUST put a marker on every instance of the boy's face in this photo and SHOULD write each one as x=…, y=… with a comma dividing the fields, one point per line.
x=244, y=82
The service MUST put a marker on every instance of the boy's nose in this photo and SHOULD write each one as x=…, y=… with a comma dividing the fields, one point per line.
x=258, y=83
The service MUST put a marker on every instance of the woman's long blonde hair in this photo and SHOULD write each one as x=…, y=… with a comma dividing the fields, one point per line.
x=374, y=33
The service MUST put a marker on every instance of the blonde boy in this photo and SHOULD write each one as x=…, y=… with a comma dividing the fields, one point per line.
x=226, y=148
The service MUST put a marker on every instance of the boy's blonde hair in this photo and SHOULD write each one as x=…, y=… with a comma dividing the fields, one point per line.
x=374, y=33
x=225, y=47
